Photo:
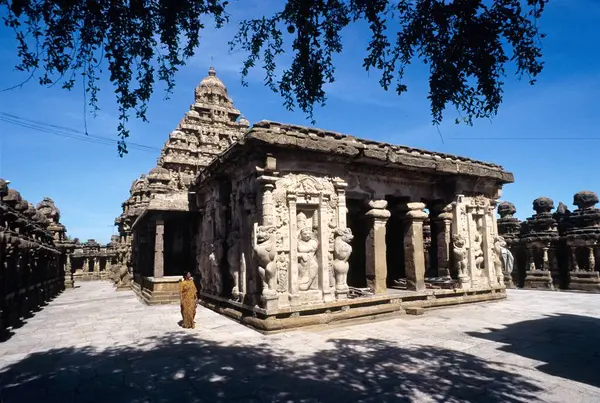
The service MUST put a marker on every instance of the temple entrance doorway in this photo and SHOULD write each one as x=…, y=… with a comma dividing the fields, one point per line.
x=357, y=274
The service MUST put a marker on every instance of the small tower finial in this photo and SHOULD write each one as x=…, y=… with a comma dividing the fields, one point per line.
x=211, y=71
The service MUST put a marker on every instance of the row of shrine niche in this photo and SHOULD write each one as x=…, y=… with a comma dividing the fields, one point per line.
x=302, y=244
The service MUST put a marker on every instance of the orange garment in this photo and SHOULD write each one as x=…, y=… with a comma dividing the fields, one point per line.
x=188, y=293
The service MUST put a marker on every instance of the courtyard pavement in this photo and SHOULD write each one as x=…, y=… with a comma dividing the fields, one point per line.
x=93, y=344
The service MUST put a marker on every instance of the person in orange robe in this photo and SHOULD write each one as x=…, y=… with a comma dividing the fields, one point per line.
x=189, y=300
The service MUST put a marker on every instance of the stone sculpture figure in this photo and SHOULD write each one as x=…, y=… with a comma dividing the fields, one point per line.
x=478, y=252
x=265, y=254
x=341, y=253
x=124, y=277
x=215, y=269
x=204, y=266
x=233, y=259
x=504, y=260
x=460, y=254
x=308, y=266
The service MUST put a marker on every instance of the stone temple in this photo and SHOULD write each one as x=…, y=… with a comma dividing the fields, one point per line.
x=285, y=226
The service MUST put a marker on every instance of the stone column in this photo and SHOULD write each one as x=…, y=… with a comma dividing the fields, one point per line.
x=294, y=293
x=323, y=252
x=414, y=255
x=268, y=206
x=271, y=299
x=342, y=210
x=69, y=281
x=159, y=245
x=443, y=234
x=375, y=247
x=85, y=269
x=573, y=255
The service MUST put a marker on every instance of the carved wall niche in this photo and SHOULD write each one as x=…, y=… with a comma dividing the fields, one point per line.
x=473, y=231
x=304, y=211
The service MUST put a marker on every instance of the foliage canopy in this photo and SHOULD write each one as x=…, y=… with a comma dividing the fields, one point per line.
x=467, y=45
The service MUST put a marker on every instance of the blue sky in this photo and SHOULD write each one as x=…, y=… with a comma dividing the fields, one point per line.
x=89, y=181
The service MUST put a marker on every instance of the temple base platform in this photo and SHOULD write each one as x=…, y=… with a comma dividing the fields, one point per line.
x=394, y=303
x=584, y=281
x=154, y=291
x=539, y=280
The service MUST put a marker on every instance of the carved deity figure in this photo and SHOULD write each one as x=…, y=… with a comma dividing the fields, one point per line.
x=341, y=253
x=215, y=269
x=308, y=265
x=477, y=251
x=503, y=258
x=265, y=254
x=460, y=254
x=233, y=260
x=204, y=266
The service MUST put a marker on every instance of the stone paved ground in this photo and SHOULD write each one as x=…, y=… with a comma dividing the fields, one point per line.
x=94, y=344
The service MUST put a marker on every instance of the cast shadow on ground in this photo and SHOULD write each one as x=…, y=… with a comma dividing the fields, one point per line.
x=7, y=333
x=183, y=368
x=569, y=345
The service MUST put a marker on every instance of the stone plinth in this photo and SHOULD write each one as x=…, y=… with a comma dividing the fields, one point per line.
x=380, y=306
x=539, y=279
x=585, y=281
x=153, y=291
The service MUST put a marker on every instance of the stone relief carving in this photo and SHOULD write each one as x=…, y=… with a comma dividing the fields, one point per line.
x=282, y=272
x=460, y=254
x=204, y=266
x=477, y=251
x=215, y=268
x=307, y=245
x=265, y=255
x=503, y=258
x=233, y=260
x=342, y=250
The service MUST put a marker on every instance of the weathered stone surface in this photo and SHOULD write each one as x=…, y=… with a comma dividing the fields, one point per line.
x=561, y=248
x=33, y=256
x=585, y=199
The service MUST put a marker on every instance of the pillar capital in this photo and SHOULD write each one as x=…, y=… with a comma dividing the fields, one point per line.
x=378, y=210
x=416, y=211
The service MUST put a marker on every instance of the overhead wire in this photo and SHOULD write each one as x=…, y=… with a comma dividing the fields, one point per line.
x=68, y=132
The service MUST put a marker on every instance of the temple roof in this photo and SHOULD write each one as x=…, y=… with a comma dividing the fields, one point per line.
x=359, y=150
x=209, y=127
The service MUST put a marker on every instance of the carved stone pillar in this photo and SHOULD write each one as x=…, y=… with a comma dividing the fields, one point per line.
x=159, y=245
x=293, y=290
x=69, y=281
x=270, y=299
x=268, y=207
x=342, y=210
x=414, y=257
x=324, y=283
x=375, y=247
x=443, y=234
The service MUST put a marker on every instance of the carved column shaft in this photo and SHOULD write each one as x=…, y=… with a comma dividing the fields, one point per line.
x=574, y=263
x=293, y=268
x=342, y=210
x=375, y=247
x=443, y=228
x=268, y=207
x=324, y=251
x=414, y=256
x=159, y=264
